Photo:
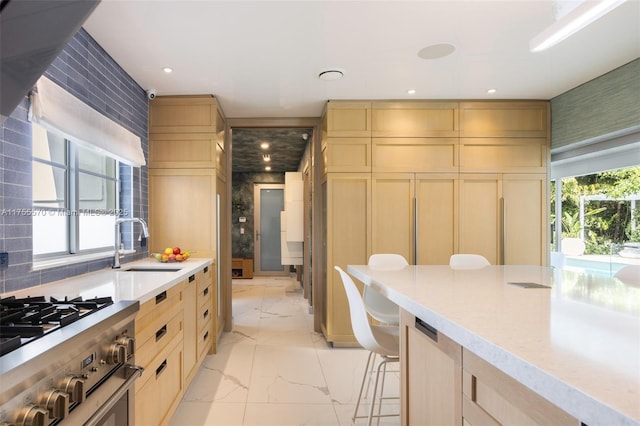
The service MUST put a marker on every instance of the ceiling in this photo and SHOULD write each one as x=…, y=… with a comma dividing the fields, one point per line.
x=261, y=59
x=286, y=147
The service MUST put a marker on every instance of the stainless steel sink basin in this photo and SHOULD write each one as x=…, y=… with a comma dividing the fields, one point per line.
x=150, y=269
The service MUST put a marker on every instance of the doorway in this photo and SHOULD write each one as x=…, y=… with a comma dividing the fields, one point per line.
x=268, y=202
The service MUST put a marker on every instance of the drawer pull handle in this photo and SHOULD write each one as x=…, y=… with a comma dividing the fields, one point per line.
x=192, y=278
x=206, y=291
x=161, y=332
x=160, y=297
x=427, y=330
x=206, y=269
x=160, y=369
x=206, y=336
x=206, y=314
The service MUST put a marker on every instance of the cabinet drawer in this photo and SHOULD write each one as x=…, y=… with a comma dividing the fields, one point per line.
x=204, y=296
x=156, y=396
x=161, y=300
x=488, y=393
x=205, y=337
x=148, y=326
x=164, y=334
x=205, y=313
x=203, y=277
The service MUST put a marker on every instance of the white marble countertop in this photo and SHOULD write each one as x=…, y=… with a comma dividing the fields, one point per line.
x=119, y=284
x=576, y=343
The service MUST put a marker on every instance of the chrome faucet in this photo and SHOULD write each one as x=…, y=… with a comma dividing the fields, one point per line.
x=116, y=254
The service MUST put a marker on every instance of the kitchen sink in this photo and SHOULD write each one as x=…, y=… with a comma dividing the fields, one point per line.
x=150, y=269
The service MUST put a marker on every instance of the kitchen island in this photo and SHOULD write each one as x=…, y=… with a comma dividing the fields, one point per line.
x=571, y=338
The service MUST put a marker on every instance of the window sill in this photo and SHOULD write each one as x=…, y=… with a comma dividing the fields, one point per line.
x=71, y=260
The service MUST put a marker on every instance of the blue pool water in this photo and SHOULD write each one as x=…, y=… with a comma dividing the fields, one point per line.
x=607, y=269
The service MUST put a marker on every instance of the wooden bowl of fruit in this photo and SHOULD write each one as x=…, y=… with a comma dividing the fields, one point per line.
x=171, y=254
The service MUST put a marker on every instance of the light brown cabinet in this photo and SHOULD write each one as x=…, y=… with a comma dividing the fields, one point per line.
x=347, y=200
x=490, y=397
x=159, y=350
x=427, y=179
x=504, y=217
x=406, y=220
x=430, y=375
x=442, y=383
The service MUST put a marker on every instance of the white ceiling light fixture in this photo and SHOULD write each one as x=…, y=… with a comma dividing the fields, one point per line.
x=411, y=91
x=264, y=145
x=491, y=91
x=572, y=22
x=167, y=70
x=331, y=74
x=266, y=158
x=268, y=168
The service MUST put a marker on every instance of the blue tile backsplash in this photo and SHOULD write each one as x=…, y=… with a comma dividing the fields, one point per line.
x=86, y=71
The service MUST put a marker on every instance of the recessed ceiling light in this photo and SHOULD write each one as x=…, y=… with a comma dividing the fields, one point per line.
x=436, y=51
x=491, y=91
x=264, y=145
x=167, y=70
x=331, y=75
x=266, y=157
x=268, y=168
x=411, y=91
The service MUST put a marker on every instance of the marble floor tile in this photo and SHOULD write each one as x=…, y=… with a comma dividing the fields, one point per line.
x=273, y=369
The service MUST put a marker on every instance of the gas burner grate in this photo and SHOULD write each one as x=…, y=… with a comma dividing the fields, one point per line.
x=29, y=318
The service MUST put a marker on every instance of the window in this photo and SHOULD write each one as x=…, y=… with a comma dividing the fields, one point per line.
x=75, y=202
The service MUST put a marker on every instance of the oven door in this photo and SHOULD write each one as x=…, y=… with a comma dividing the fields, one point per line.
x=111, y=403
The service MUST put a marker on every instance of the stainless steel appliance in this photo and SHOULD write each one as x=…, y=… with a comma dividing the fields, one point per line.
x=68, y=362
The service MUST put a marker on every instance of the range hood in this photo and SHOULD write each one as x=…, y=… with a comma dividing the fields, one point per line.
x=32, y=34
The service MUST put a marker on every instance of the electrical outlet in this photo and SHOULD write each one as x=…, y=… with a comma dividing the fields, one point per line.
x=4, y=260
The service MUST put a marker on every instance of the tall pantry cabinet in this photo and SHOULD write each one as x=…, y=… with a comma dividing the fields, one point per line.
x=187, y=183
x=427, y=179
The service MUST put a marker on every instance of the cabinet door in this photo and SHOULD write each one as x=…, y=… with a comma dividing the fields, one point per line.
x=348, y=119
x=184, y=114
x=347, y=155
x=414, y=119
x=526, y=219
x=182, y=210
x=519, y=119
x=436, y=218
x=392, y=214
x=480, y=220
x=430, y=375
x=413, y=155
x=348, y=233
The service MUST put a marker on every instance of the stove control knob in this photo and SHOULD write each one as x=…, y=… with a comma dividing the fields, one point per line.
x=33, y=415
x=129, y=342
x=56, y=402
x=117, y=353
x=74, y=387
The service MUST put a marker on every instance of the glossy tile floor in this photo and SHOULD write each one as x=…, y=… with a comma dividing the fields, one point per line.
x=274, y=370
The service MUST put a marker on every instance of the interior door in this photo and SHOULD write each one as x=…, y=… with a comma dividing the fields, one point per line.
x=268, y=203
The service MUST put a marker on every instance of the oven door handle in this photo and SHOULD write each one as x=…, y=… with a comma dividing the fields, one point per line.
x=113, y=399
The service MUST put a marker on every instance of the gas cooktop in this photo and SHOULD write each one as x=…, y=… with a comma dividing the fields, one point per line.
x=27, y=319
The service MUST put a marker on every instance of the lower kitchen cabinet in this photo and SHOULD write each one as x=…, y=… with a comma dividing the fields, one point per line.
x=160, y=393
x=175, y=330
x=490, y=397
x=442, y=383
x=431, y=375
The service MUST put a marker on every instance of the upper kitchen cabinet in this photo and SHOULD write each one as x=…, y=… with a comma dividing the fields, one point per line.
x=186, y=132
x=348, y=119
x=346, y=155
x=414, y=119
x=519, y=119
x=509, y=154
x=439, y=155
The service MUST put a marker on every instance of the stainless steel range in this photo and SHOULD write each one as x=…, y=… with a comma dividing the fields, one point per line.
x=68, y=362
